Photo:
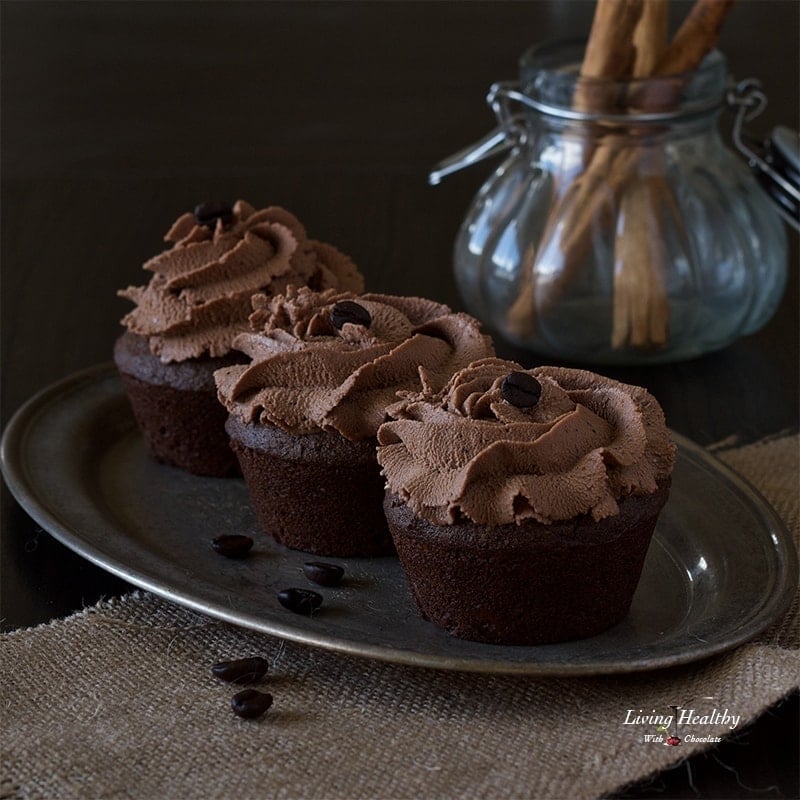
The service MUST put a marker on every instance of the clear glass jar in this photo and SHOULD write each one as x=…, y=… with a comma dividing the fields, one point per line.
x=627, y=237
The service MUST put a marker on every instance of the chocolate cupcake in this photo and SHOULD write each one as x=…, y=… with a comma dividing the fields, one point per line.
x=305, y=411
x=187, y=316
x=522, y=502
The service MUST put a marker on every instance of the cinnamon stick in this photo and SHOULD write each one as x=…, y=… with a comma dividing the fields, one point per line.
x=641, y=303
x=610, y=54
x=695, y=38
x=650, y=37
x=693, y=41
x=609, y=57
x=570, y=235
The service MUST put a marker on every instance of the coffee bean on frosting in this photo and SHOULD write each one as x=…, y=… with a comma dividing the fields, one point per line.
x=232, y=545
x=521, y=389
x=301, y=601
x=208, y=213
x=242, y=670
x=349, y=311
x=322, y=573
x=250, y=703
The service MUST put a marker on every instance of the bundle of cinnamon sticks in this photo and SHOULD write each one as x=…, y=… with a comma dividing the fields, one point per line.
x=622, y=184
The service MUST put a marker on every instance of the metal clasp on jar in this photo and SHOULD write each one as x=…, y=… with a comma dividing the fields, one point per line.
x=775, y=162
x=510, y=105
x=509, y=133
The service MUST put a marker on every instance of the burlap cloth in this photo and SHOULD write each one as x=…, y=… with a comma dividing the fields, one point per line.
x=118, y=701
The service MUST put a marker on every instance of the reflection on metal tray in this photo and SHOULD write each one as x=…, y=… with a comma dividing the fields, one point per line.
x=721, y=567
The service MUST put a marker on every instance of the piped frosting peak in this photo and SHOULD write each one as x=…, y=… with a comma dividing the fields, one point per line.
x=469, y=452
x=335, y=360
x=198, y=298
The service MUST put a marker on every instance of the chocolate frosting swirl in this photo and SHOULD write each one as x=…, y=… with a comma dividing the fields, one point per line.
x=307, y=375
x=198, y=299
x=467, y=453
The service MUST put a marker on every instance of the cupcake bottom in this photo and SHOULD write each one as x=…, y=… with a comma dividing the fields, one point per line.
x=176, y=407
x=316, y=492
x=525, y=584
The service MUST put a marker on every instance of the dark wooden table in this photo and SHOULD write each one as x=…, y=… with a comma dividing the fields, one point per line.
x=118, y=116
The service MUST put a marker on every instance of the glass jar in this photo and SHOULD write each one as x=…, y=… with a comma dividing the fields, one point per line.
x=626, y=236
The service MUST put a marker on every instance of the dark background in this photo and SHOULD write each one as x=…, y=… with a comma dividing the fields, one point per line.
x=118, y=116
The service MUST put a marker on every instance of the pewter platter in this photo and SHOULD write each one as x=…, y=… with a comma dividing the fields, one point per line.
x=720, y=569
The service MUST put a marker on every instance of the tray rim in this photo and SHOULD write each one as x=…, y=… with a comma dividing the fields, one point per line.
x=15, y=474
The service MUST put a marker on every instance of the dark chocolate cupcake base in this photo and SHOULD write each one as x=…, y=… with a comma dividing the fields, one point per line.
x=317, y=492
x=176, y=408
x=525, y=584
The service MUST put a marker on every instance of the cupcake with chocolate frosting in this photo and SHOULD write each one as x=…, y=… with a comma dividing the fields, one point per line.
x=305, y=411
x=522, y=502
x=197, y=301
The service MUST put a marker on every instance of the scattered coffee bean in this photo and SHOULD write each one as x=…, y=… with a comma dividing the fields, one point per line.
x=208, y=213
x=323, y=574
x=301, y=601
x=250, y=703
x=521, y=390
x=243, y=670
x=348, y=311
x=232, y=545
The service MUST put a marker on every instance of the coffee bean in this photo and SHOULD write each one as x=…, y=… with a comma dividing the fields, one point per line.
x=301, y=601
x=243, y=670
x=232, y=545
x=348, y=311
x=250, y=703
x=521, y=389
x=323, y=574
x=208, y=213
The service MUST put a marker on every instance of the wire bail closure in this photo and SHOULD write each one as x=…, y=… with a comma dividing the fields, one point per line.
x=509, y=133
x=773, y=163
x=775, y=168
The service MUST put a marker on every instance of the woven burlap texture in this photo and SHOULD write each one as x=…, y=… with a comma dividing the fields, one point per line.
x=118, y=701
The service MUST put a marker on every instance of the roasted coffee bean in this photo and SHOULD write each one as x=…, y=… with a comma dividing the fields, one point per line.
x=323, y=574
x=208, y=213
x=250, y=703
x=521, y=390
x=301, y=601
x=243, y=670
x=232, y=545
x=348, y=311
